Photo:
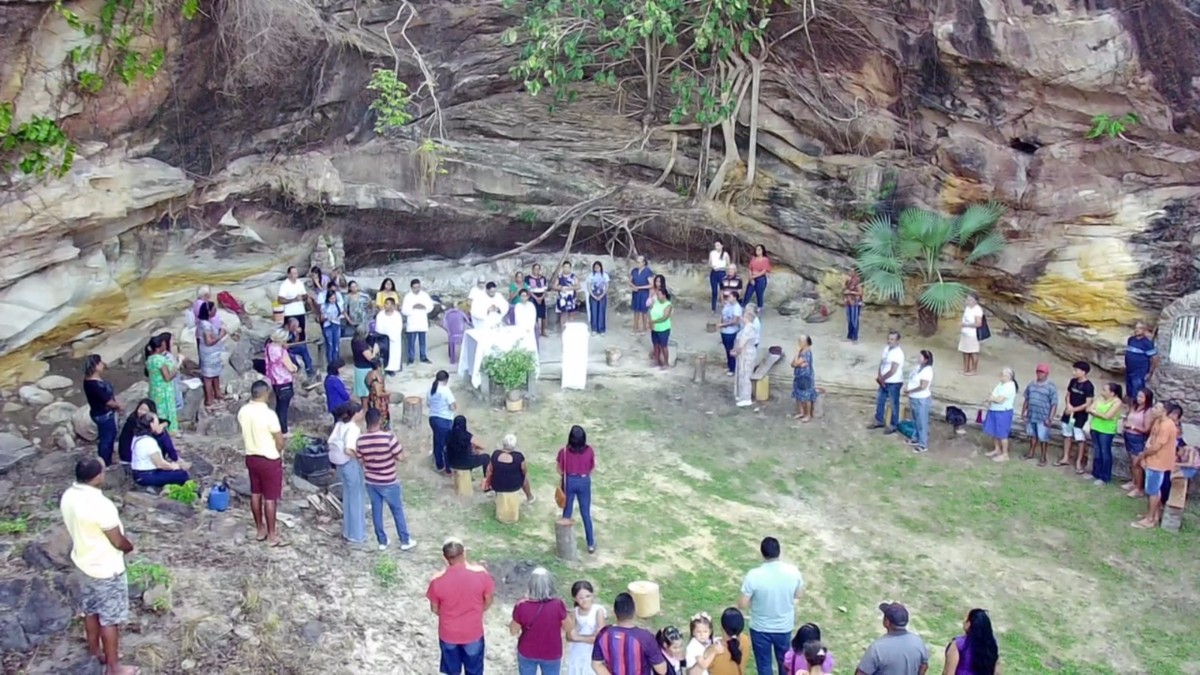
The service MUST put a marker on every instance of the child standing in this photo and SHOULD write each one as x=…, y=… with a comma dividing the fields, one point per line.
x=585, y=621
x=701, y=630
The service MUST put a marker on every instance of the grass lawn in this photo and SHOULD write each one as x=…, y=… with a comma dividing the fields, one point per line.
x=687, y=485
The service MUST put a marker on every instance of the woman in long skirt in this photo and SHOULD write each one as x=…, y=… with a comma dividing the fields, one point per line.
x=746, y=350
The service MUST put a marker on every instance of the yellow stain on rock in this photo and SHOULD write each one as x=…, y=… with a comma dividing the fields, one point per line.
x=958, y=192
x=1089, y=288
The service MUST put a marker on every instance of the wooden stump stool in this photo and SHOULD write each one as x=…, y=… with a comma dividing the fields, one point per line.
x=612, y=356
x=564, y=539
x=462, y=483
x=701, y=363
x=412, y=414
x=645, y=598
x=508, y=506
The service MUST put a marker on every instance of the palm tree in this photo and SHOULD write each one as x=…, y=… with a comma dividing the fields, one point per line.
x=920, y=249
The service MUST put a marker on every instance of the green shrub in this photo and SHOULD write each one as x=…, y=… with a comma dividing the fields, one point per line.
x=17, y=525
x=146, y=574
x=187, y=493
x=511, y=369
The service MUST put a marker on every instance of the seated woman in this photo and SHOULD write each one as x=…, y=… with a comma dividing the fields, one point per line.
x=506, y=471
x=125, y=441
x=462, y=452
x=150, y=468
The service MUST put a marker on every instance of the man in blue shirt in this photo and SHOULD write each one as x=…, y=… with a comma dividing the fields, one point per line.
x=770, y=592
x=1141, y=358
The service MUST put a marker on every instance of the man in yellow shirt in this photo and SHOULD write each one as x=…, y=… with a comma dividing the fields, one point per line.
x=263, y=438
x=98, y=548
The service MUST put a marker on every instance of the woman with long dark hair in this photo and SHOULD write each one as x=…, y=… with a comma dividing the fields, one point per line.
x=576, y=461
x=387, y=290
x=660, y=326
x=343, y=455
x=463, y=452
x=148, y=463
x=102, y=405
x=442, y=407
x=1137, y=429
x=161, y=369
x=975, y=651
x=1104, y=411
x=732, y=661
x=210, y=351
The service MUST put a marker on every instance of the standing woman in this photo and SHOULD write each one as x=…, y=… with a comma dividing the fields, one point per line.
x=852, y=295
x=442, y=407
x=358, y=309
x=745, y=349
x=161, y=369
x=598, y=299
x=514, y=294
x=975, y=651
x=537, y=285
x=1137, y=429
x=343, y=455
x=387, y=290
x=640, y=278
x=760, y=269
x=804, y=380
x=576, y=461
x=365, y=357
x=102, y=406
x=998, y=423
x=210, y=351
x=968, y=339
x=539, y=620
x=281, y=372
x=567, y=286
x=585, y=621
x=378, y=397
x=332, y=315
x=732, y=660
x=1104, y=413
x=920, y=395
x=718, y=261
x=660, y=326
x=731, y=323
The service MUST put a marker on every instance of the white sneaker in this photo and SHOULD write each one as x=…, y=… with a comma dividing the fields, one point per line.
x=745, y=404
x=412, y=543
x=383, y=547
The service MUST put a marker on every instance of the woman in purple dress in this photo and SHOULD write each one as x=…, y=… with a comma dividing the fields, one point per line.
x=975, y=651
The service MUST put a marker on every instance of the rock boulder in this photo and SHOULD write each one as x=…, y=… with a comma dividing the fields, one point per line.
x=54, y=382
x=35, y=396
x=14, y=450
x=57, y=412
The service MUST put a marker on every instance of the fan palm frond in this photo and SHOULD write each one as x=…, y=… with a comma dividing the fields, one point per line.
x=879, y=237
x=940, y=297
x=977, y=220
x=931, y=230
x=884, y=284
x=869, y=263
x=991, y=244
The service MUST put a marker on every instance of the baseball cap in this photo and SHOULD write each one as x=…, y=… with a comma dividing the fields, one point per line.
x=1043, y=368
x=895, y=613
x=481, y=279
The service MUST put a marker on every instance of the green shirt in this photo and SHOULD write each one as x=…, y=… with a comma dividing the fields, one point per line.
x=1101, y=425
x=657, y=310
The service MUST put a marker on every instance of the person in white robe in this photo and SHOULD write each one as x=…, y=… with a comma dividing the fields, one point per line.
x=525, y=314
x=390, y=322
x=488, y=310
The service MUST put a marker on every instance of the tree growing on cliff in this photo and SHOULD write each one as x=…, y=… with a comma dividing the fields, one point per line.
x=921, y=253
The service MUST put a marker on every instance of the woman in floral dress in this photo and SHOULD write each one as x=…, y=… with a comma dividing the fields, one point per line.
x=804, y=386
x=567, y=287
x=378, y=396
x=358, y=308
x=161, y=370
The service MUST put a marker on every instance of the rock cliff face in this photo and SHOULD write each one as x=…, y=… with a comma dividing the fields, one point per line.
x=876, y=106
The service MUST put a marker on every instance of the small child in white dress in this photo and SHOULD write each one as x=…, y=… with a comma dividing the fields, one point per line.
x=701, y=630
x=587, y=618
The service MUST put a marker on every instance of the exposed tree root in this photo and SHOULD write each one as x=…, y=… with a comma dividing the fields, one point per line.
x=568, y=214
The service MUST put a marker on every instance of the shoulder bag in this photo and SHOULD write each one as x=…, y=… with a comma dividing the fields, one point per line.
x=982, y=332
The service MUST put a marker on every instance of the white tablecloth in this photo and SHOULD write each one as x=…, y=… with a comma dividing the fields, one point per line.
x=574, y=356
x=479, y=342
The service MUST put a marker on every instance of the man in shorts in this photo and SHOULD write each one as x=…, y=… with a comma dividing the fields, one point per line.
x=263, y=439
x=1041, y=400
x=1158, y=459
x=1080, y=393
x=98, y=548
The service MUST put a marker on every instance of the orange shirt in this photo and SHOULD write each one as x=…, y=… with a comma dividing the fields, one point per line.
x=759, y=265
x=723, y=663
x=1160, y=448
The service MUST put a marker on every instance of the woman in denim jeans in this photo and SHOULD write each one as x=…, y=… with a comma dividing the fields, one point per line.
x=576, y=461
x=343, y=455
x=919, y=390
x=539, y=621
x=441, y=418
x=102, y=406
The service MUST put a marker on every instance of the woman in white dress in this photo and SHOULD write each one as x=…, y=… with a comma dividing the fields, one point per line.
x=586, y=620
x=390, y=322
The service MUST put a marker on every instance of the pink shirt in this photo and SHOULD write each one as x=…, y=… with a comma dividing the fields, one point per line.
x=759, y=265
x=277, y=372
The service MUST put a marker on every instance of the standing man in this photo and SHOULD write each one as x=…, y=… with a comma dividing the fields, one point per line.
x=378, y=451
x=1157, y=460
x=459, y=595
x=1141, y=359
x=488, y=310
x=770, y=592
x=852, y=296
x=1041, y=401
x=417, y=305
x=293, y=295
x=890, y=378
x=263, y=440
x=898, y=652
x=731, y=323
x=626, y=649
x=98, y=548
x=1080, y=393
x=479, y=290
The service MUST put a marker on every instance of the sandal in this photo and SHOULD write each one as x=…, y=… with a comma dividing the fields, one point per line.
x=1061, y=463
x=1041, y=462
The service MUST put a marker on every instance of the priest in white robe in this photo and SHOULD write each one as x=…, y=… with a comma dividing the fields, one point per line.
x=390, y=322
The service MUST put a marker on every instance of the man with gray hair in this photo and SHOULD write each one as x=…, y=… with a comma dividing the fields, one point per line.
x=539, y=620
x=890, y=379
x=459, y=595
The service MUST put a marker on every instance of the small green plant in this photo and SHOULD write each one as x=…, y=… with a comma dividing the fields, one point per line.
x=1111, y=127
x=37, y=147
x=17, y=525
x=386, y=572
x=511, y=369
x=161, y=605
x=298, y=443
x=391, y=100
x=147, y=574
x=527, y=216
x=430, y=156
x=187, y=493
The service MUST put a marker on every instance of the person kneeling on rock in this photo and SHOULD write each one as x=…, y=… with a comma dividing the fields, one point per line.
x=150, y=468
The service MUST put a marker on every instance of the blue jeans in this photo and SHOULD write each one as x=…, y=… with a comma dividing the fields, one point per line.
x=762, y=644
x=715, y=277
x=354, y=498
x=441, y=431
x=889, y=391
x=1102, y=459
x=580, y=487
x=853, y=312
x=1134, y=382
x=532, y=666
x=757, y=288
x=597, y=309
x=920, y=413
x=300, y=355
x=728, y=339
x=392, y=496
x=459, y=659
x=412, y=339
x=333, y=342
x=106, y=436
x=160, y=477
x=283, y=403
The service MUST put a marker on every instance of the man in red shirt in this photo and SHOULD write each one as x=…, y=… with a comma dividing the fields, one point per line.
x=459, y=595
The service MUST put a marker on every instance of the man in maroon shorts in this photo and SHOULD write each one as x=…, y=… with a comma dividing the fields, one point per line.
x=263, y=439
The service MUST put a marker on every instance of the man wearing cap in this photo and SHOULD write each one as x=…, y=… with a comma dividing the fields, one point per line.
x=770, y=592
x=1041, y=401
x=898, y=652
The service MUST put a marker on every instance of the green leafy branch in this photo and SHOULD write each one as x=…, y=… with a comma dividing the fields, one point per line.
x=511, y=369
x=1107, y=126
x=37, y=147
x=391, y=100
